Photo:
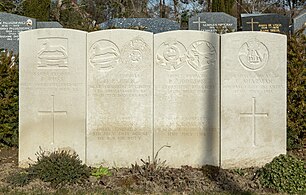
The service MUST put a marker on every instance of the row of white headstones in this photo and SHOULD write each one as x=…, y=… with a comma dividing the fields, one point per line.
x=118, y=96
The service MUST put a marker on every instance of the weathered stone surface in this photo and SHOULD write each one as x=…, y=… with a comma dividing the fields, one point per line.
x=52, y=92
x=186, y=97
x=50, y=24
x=155, y=25
x=210, y=21
x=120, y=97
x=299, y=22
x=269, y=22
x=253, y=98
x=10, y=27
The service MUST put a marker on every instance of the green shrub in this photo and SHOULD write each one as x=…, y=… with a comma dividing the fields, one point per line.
x=101, y=171
x=285, y=174
x=8, y=99
x=19, y=178
x=39, y=9
x=296, y=131
x=59, y=168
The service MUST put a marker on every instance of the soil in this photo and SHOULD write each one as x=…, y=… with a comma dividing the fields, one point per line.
x=145, y=179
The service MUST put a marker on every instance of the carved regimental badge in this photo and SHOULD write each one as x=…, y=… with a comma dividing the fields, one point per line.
x=104, y=55
x=201, y=55
x=136, y=55
x=171, y=55
x=52, y=53
x=253, y=55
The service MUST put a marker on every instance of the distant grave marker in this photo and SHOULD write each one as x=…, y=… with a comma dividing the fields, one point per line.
x=10, y=27
x=270, y=22
x=155, y=25
x=210, y=21
x=299, y=22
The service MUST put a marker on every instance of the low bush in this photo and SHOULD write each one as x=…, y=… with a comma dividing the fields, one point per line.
x=8, y=99
x=284, y=174
x=60, y=168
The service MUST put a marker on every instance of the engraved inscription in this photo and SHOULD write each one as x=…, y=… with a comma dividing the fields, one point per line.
x=253, y=115
x=201, y=55
x=135, y=54
x=253, y=55
x=52, y=53
x=53, y=112
x=255, y=84
x=104, y=55
x=171, y=55
x=126, y=85
x=121, y=128
x=9, y=30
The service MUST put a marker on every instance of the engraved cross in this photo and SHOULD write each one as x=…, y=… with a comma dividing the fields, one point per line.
x=199, y=22
x=254, y=114
x=53, y=112
x=252, y=23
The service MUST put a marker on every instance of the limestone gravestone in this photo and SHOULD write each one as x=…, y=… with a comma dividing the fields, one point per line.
x=52, y=92
x=210, y=21
x=186, y=97
x=120, y=97
x=10, y=26
x=269, y=22
x=253, y=98
x=155, y=25
x=299, y=22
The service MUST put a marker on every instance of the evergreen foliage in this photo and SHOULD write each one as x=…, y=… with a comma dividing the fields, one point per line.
x=8, y=99
x=296, y=132
x=223, y=6
x=70, y=15
x=60, y=168
x=284, y=174
x=39, y=9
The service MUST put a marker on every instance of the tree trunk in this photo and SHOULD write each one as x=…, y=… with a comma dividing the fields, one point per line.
x=175, y=3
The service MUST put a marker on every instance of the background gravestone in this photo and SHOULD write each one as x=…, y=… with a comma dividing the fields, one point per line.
x=51, y=24
x=299, y=22
x=186, y=97
x=155, y=25
x=209, y=21
x=120, y=97
x=253, y=98
x=10, y=26
x=52, y=90
x=269, y=22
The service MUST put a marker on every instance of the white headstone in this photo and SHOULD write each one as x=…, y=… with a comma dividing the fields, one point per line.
x=253, y=98
x=120, y=97
x=52, y=92
x=186, y=97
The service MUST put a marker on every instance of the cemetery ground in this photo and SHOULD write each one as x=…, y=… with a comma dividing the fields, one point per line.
x=143, y=178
